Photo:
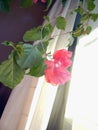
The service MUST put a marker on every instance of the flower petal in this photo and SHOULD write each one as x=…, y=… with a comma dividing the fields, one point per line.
x=63, y=56
x=56, y=74
x=43, y=1
x=35, y=1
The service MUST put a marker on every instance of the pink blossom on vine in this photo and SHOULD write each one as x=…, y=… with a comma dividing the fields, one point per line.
x=56, y=72
x=35, y=1
x=63, y=56
x=43, y=1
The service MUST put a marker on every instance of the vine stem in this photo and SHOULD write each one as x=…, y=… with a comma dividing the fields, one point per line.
x=70, y=32
x=12, y=45
x=61, y=34
x=42, y=42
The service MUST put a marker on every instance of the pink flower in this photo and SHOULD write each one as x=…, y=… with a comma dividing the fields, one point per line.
x=63, y=56
x=43, y=1
x=55, y=73
x=35, y=1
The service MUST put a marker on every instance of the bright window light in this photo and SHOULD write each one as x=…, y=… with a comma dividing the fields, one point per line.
x=82, y=106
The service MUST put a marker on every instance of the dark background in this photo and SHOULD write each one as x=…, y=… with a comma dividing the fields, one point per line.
x=12, y=27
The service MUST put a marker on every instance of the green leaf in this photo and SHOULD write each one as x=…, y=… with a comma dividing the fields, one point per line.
x=26, y=3
x=46, y=18
x=7, y=43
x=31, y=57
x=78, y=32
x=47, y=30
x=79, y=10
x=40, y=48
x=88, y=29
x=36, y=33
x=49, y=2
x=38, y=70
x=60, y=22
x=94, y=16
x=84, y=18
x=19, y=50
x=90, y=4
x=33, y=34
x=64, y=2
x=5, y=5
x=10, y=73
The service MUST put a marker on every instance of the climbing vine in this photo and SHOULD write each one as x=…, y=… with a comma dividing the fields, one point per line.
x=33, y=59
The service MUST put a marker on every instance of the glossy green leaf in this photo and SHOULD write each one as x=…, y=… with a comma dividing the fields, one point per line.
x=38, y=70
x=26, y=3
x=33, y=34
x=88, y=29
x=47, y=30
x=10, y=73
x=90, y=4
x=38, y=33
x=84, y=18
x=19, y=51
x=7, y=43
x=60, y=22
x=78, y=32
x=94, y=16
x=40, y=46
x=32, y=56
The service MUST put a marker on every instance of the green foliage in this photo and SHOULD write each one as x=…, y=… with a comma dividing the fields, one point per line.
x=7, y=43
x=88, y=29
x=90, y=4
x=78, y=32
x=81, y=31
x=42, y=45
x=5, y=5
x=94, y=16
x=46, y=18
x=25, y=56
x=32, y=34
x=64, y=2
x=79, y=10
x=84, y=18
x=46, y=31
x=38, y=33
x=61, y=22
x=49, y=2
x=10, y=72
x=19, y=50
x=26, y=3
x=31, y=57
x=38, y=70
